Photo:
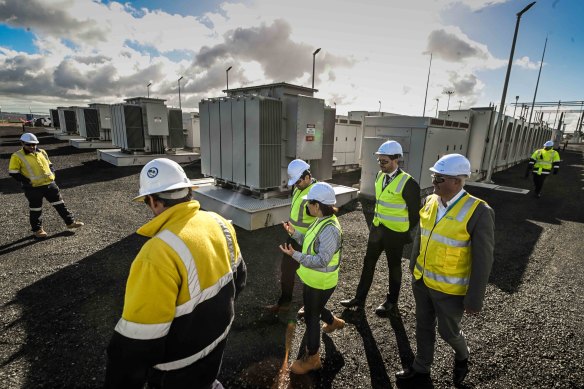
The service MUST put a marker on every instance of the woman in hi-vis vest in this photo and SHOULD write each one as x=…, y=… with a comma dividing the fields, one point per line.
x=319, y=270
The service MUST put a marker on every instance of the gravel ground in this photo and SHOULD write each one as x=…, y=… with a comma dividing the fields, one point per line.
x=60, y=298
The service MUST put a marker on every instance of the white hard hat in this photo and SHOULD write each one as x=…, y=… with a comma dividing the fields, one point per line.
x=549, y=143
x=161, y=175
x=295, y=170
x=27, y=137
x=323, y=193
x=452, y=165
x=390, y=147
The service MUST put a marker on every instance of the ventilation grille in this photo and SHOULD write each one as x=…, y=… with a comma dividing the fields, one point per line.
x=70, y=122
x=91, y=123
x=270, y=143
x=176, y=137
x=55, y=118
x=134, y=127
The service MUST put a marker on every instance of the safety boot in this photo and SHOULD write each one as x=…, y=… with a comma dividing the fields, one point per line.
x=306, y=363
x=41, y=234
x=337, y=324
x=75, y=225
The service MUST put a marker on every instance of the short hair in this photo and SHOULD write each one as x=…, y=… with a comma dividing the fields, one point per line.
x=305, y=173
x=167, y=203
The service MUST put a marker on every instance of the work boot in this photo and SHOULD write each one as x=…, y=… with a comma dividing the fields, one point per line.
x=337, y=324
x=306, y=363
x=41, y=234
x=460, y=371
x=75, y=224
x=354, y=302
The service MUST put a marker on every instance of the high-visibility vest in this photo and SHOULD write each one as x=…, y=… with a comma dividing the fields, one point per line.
x=391, y=209
x=326, y=277
x=445, y=247
x=299, y=219
x=544, y=160
x=34, y=166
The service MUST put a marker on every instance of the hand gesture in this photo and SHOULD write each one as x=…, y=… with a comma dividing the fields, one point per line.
x=287, y=249
x=288, y=227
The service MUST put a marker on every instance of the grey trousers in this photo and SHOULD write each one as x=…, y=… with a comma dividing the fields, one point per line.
x=435, y=307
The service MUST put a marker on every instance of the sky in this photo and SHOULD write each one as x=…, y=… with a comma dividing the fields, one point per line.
x=375, y=54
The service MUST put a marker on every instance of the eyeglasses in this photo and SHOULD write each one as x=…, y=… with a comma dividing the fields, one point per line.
x=29, y=144
x=440, y=179
x=385, y=161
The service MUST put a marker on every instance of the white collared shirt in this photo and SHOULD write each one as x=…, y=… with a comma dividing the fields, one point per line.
x=442, y=209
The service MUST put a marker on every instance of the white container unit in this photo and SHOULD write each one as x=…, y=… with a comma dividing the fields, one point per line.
x=191, y=125
x=424, y=140
x=347, y=144
x=88, y=122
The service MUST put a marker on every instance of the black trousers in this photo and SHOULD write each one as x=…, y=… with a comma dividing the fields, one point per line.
x=288, y=269
x=315, y=311
x=538, y=180
x=377, y=243
x=35, y=197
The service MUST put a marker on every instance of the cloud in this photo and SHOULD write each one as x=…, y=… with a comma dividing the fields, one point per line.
x=525, y=63
x=453, y=47
x=50, y=18
x=271, y=46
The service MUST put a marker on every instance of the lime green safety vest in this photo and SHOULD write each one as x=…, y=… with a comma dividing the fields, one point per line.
x=445, y=250
x=544, y=160
x=299, y=219
x=326, y=277
x=390, y=208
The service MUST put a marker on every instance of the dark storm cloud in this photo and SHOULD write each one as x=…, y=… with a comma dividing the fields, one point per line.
x=450, y=47
x=50, y=20
x=281, y=58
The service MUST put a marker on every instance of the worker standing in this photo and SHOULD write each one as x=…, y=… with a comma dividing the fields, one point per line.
x=32, y=168
x=451, y=262
x=541, y=164
x=396, y=216
x=300, y=178
x=319, y=263
x=179, y=302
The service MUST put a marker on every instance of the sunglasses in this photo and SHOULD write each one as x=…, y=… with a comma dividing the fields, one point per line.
x=29, y=144
x=385, y=161
x=440, y=179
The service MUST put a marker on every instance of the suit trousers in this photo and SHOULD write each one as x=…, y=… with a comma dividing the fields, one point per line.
x=288, y=269
x=433, y=307
x=378, y=243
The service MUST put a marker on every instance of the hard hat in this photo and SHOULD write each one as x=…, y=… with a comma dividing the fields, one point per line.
x=549, y=143
x=295, y=170
x=390, y=147
x=27, y=137
x=161, y=175
x=323, y=193
x=452, y=165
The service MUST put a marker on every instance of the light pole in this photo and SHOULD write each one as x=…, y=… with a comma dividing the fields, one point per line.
x=515, y=109
x=179, y=104
x=437, y=101
x=427, y=83
x=449, y=93
x=148, y=89
x=537, y=83
x=499, y=121
x=314, y=64
x=227, y=75
x=459, y=104
x=379, y=106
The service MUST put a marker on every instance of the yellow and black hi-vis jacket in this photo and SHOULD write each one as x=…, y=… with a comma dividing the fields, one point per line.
x=179, y=302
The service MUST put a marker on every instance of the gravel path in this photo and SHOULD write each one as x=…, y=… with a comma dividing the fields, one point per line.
x=60, y=298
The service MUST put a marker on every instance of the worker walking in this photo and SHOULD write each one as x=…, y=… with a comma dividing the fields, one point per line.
x=301, y=179
x=451, y=262
x=396, y=216
x=32, y=168
x=319, y=270
x=541, y=164
x=179, y=302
